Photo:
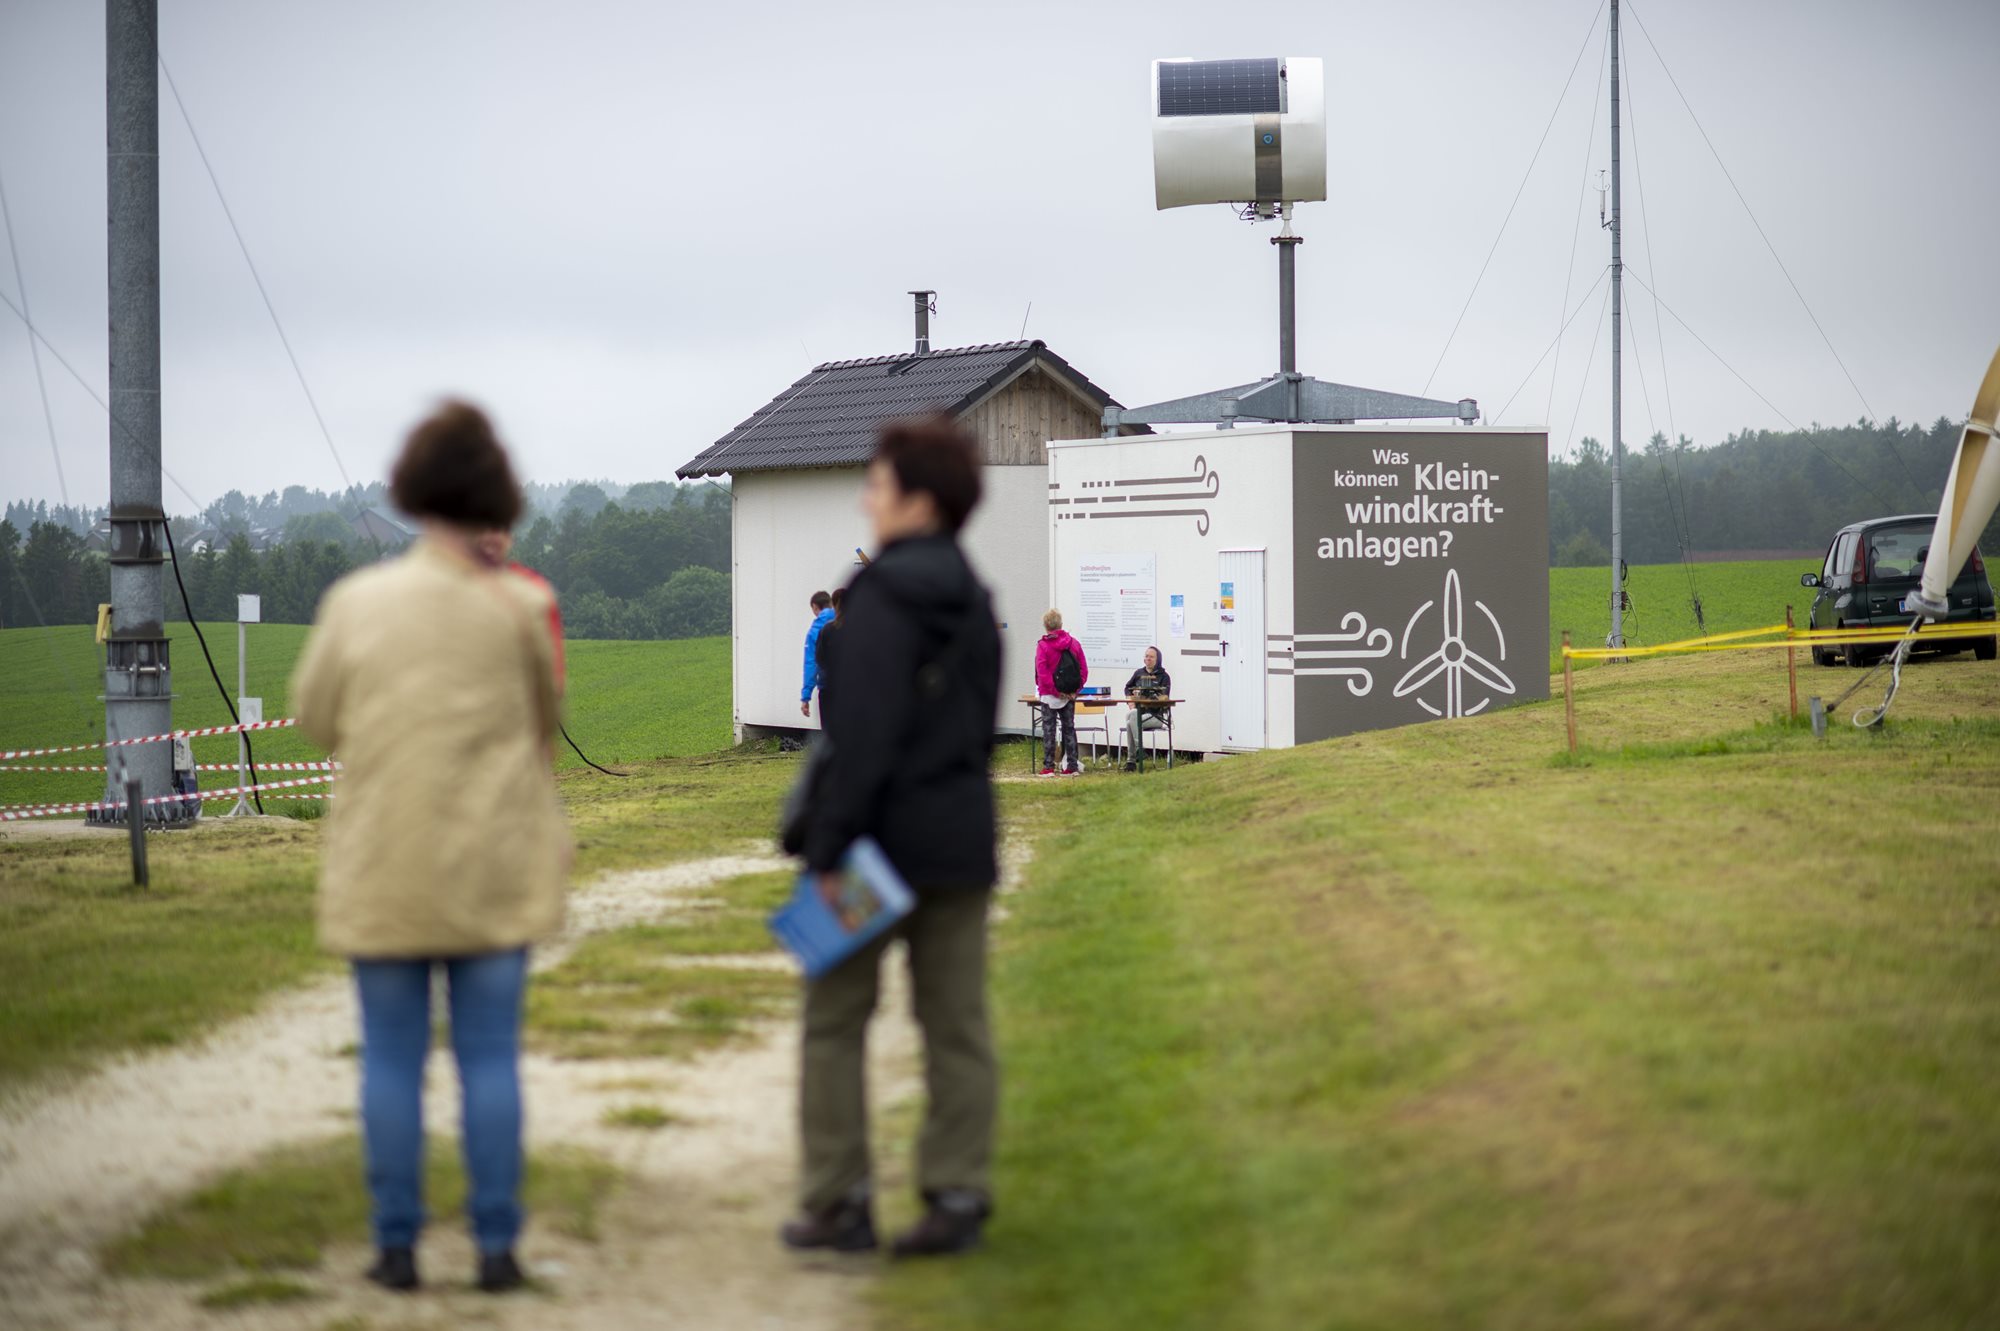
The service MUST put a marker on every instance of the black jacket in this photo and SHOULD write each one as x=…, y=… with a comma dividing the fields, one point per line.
x=1156, y=679
x=908, y=767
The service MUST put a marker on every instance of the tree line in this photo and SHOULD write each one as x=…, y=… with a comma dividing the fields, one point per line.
x=1758, y=490
x=651, y=560
x=654, y=566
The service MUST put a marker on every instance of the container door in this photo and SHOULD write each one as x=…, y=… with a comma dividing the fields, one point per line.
x=1240, y=613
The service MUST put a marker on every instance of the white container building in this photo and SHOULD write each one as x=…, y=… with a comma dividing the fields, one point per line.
x=1307, y=581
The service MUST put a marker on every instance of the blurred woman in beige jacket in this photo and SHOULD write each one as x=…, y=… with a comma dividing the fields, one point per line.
x=434, y=679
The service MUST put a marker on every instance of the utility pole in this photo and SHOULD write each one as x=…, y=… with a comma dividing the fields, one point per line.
x=1617, y=636
x=138, y=684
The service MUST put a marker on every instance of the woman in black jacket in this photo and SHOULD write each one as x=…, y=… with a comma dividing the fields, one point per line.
x=918, y=664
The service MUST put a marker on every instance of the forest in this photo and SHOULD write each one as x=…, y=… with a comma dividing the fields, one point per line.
x=651, y=564
x=652, y=560
x=1756, y=491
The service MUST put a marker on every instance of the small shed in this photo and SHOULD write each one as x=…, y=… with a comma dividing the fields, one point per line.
x=795, y=469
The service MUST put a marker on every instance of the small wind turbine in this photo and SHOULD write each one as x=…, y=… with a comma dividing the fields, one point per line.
x=1453, y=658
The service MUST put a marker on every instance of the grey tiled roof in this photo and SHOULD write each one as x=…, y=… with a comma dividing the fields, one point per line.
x=829, y=417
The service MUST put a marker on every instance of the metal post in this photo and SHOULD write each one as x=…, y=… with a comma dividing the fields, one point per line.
x=242, y=807
x=1569, y=698
x=138, y=684
x=1792, y=665
x=1288, y=335
x=1617, y=638
x=135, y=823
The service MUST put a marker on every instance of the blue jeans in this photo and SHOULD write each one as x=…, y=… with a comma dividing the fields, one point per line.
x=486, y=1039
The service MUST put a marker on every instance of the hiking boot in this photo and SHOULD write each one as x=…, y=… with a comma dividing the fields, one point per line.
x=953, y=1222
x=846, y=1226
x=395, y=1269
x=499, y=1272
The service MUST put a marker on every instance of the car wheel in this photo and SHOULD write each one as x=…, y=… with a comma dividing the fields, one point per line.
x=1822, y=656
x=1985, y=649
x=1854, y=653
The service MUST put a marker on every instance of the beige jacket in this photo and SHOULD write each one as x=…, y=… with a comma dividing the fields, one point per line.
x=433, y=681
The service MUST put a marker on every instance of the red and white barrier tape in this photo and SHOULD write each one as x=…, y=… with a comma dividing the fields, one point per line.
x=12, y=754
x=23, y=811
x=199, y=767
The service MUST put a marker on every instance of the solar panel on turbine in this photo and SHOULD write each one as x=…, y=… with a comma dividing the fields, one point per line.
x=1221, y=87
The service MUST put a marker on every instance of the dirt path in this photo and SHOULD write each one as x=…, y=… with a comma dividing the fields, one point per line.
x=687, y=1241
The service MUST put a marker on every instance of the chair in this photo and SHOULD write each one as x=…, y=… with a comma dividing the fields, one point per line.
x=1096, y=718
x=1165, y=732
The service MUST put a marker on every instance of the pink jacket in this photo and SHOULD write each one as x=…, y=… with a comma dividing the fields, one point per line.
x=1049, y=651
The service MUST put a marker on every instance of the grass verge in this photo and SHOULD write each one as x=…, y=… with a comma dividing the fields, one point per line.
x=624, y=994
x=89, y=964
x=282, y=1212
x=640, y=1118
x=1419, y=1029
x=256, y=1291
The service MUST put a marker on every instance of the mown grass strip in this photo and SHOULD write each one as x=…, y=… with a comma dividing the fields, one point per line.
x=283, y=1211
x=1415, y=1029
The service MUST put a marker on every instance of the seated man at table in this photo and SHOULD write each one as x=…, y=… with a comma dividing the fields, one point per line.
x=1148, y=681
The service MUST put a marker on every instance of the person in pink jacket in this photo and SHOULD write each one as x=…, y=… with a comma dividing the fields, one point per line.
x=1060, y=673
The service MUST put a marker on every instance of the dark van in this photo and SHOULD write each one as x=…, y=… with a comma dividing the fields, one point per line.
x=1870, y=570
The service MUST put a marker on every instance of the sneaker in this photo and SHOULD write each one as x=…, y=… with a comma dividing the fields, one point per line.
x=395, y=1269
x=1072, y=771
x=845, y=1226
x=954, y=1221
x=499, y=1273
x=1131, y=767
x=1048, y=771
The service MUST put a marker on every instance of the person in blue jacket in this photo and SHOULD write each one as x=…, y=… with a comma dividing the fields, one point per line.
x=822, y=608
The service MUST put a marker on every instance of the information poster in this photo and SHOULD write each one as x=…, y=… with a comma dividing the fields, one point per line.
x=1116, y=614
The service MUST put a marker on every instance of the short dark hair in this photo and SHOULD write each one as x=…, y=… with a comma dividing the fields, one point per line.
x=454, y=468
x=932, y=455
x=820, y=600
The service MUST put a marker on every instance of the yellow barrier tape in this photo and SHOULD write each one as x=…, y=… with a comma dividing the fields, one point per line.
x=1812, y=638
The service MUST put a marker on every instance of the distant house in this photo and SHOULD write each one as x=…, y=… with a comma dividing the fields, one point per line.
x=99, y=539
x=795, y=474
x=375, y=525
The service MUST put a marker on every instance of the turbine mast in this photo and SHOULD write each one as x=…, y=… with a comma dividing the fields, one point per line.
x=1617, y=635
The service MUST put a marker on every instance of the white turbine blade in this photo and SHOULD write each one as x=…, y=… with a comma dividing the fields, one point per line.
x=1485, y=672
x=1412, y=681
x=1454, y=606
x=1971, y=492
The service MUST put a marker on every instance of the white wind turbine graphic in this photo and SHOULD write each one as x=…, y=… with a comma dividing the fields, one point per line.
x=1453, y=659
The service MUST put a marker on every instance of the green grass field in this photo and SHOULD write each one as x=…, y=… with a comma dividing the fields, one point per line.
x=1744, y=595
x=634, y=700
x=1431, y=1027
x=627, y=700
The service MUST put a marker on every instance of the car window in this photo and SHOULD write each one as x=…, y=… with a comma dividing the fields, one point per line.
x=1897, y=552
x=1843, y=555
x=1826, y=569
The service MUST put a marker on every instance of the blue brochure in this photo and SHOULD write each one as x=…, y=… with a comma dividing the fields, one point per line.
x=873, y=896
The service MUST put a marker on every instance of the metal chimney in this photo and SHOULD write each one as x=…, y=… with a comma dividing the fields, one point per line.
x=926, y=307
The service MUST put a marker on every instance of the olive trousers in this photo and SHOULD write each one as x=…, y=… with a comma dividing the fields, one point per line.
x=946, y=939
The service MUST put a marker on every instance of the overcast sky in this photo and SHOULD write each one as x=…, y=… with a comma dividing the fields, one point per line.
x=623, y=226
